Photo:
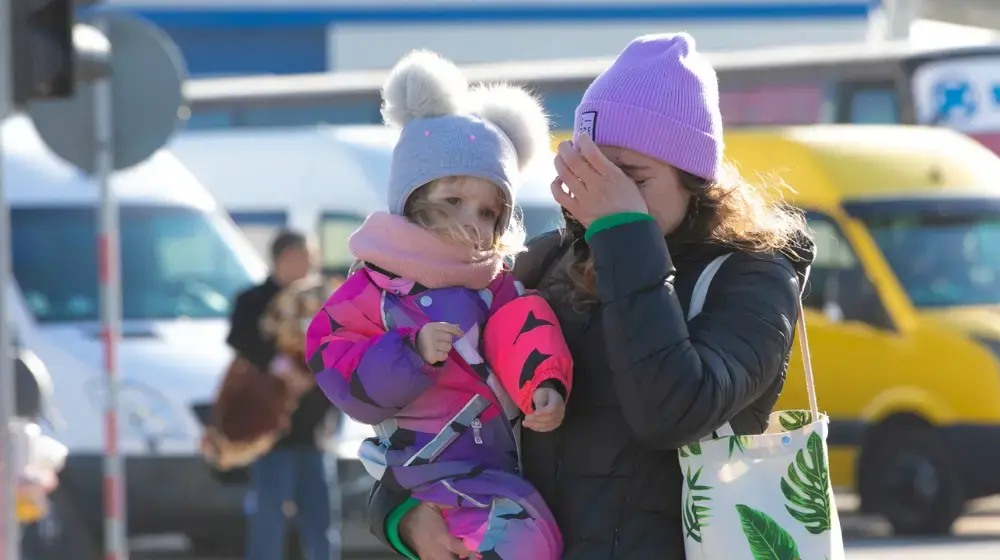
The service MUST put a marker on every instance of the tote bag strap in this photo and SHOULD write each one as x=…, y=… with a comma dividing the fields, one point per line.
x=700, y=291
x=698, y=296
x=807, y=361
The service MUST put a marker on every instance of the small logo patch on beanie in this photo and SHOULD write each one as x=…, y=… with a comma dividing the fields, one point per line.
x=588, y=123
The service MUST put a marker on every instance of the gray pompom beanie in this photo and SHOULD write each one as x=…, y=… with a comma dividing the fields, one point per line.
x=448, y=129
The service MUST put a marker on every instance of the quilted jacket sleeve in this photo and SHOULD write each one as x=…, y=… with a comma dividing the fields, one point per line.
x=678, y=382
x=370, y=375
x=525, y=347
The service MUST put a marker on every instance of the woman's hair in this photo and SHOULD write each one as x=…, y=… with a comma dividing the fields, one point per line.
x=729, y=211
x=419, y=209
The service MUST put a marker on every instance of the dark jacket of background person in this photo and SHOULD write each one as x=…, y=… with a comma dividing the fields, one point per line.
x=647, y=382
x=245, y=338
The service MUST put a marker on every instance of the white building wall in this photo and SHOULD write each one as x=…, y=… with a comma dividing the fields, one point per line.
x=356, y=47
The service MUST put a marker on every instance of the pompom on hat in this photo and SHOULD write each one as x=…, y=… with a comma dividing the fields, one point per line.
x=492, y=132
x=660, y=98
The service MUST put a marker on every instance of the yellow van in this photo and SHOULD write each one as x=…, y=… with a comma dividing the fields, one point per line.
x=903, y=309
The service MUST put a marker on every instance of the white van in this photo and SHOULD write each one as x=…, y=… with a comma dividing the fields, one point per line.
x=323, y=180
x=183, y=260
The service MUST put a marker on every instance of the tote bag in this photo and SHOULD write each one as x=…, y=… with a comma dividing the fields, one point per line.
x=761, y=497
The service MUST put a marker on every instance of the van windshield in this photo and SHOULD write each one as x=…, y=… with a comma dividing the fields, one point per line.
x=944, y=253
x=176, y=262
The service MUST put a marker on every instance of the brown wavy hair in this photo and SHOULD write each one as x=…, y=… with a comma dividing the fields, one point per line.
x=728, y=211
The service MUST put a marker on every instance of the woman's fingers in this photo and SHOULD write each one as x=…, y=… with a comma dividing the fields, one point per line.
x=572, y=182
x=594, y=157
x=456, y=546
x=424, y=530
x=577, y=164
x=563, y=198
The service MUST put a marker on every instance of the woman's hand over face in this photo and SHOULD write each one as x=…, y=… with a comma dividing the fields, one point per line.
x=423, y=529
x=597, y=187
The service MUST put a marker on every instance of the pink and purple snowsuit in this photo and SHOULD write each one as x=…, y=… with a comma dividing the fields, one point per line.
x=449, y=433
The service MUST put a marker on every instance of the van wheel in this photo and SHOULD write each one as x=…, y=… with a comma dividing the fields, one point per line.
x=907, y=476
x=61, y=534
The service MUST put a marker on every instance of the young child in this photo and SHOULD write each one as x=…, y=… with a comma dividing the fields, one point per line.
x=432, y=340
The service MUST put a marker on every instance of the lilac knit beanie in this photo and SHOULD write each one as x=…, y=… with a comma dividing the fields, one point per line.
x=660, y=98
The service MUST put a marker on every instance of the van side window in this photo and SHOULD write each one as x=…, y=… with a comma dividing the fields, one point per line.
x=176, y=262
x=838, y=282
x=872, y=104
x=334, y=229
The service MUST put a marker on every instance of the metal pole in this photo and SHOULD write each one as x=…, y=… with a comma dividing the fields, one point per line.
x=109, y=266
x=11, y=531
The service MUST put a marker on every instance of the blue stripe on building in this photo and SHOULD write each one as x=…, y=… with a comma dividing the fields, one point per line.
x=248, y=40
x=291, y=16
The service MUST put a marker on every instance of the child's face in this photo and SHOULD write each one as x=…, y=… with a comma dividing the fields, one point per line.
x=472, y=203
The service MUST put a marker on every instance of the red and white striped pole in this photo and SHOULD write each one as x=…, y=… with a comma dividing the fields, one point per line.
x=109, y=267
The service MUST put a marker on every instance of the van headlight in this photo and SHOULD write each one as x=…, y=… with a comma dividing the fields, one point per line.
x=143, y=412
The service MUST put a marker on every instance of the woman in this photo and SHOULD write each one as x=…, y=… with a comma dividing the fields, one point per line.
x=649, y=204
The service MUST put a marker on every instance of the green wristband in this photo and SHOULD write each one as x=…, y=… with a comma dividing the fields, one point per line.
x=614, y=220
x=392, y=527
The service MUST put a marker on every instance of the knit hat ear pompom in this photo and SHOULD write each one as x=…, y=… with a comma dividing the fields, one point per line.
x=518, y=114
x=422, y=85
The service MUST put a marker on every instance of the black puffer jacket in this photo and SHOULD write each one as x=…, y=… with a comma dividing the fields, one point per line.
x=646, y=381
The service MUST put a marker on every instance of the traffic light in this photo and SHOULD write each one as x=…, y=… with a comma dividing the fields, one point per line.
x=43, y=54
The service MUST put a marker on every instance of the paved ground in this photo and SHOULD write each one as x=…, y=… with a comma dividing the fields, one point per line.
x=977, y=537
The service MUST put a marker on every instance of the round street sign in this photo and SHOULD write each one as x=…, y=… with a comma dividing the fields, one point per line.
x=147, y=72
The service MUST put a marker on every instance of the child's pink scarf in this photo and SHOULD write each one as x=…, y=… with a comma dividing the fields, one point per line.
x=401, y=247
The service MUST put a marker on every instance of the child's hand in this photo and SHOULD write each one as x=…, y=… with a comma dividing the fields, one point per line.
x=435, y=339
x=549, y=410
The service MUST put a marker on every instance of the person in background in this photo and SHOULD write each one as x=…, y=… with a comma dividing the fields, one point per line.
x=294, y=470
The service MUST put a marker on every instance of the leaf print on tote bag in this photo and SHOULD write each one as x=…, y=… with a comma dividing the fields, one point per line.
x=695, y=510
x=807, y=487
x=691, y=450
x=792, y=420
x=767, y=539
x=737, y=442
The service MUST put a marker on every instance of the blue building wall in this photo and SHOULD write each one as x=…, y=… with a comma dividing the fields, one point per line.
x=246, y=50
x=281, y=38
